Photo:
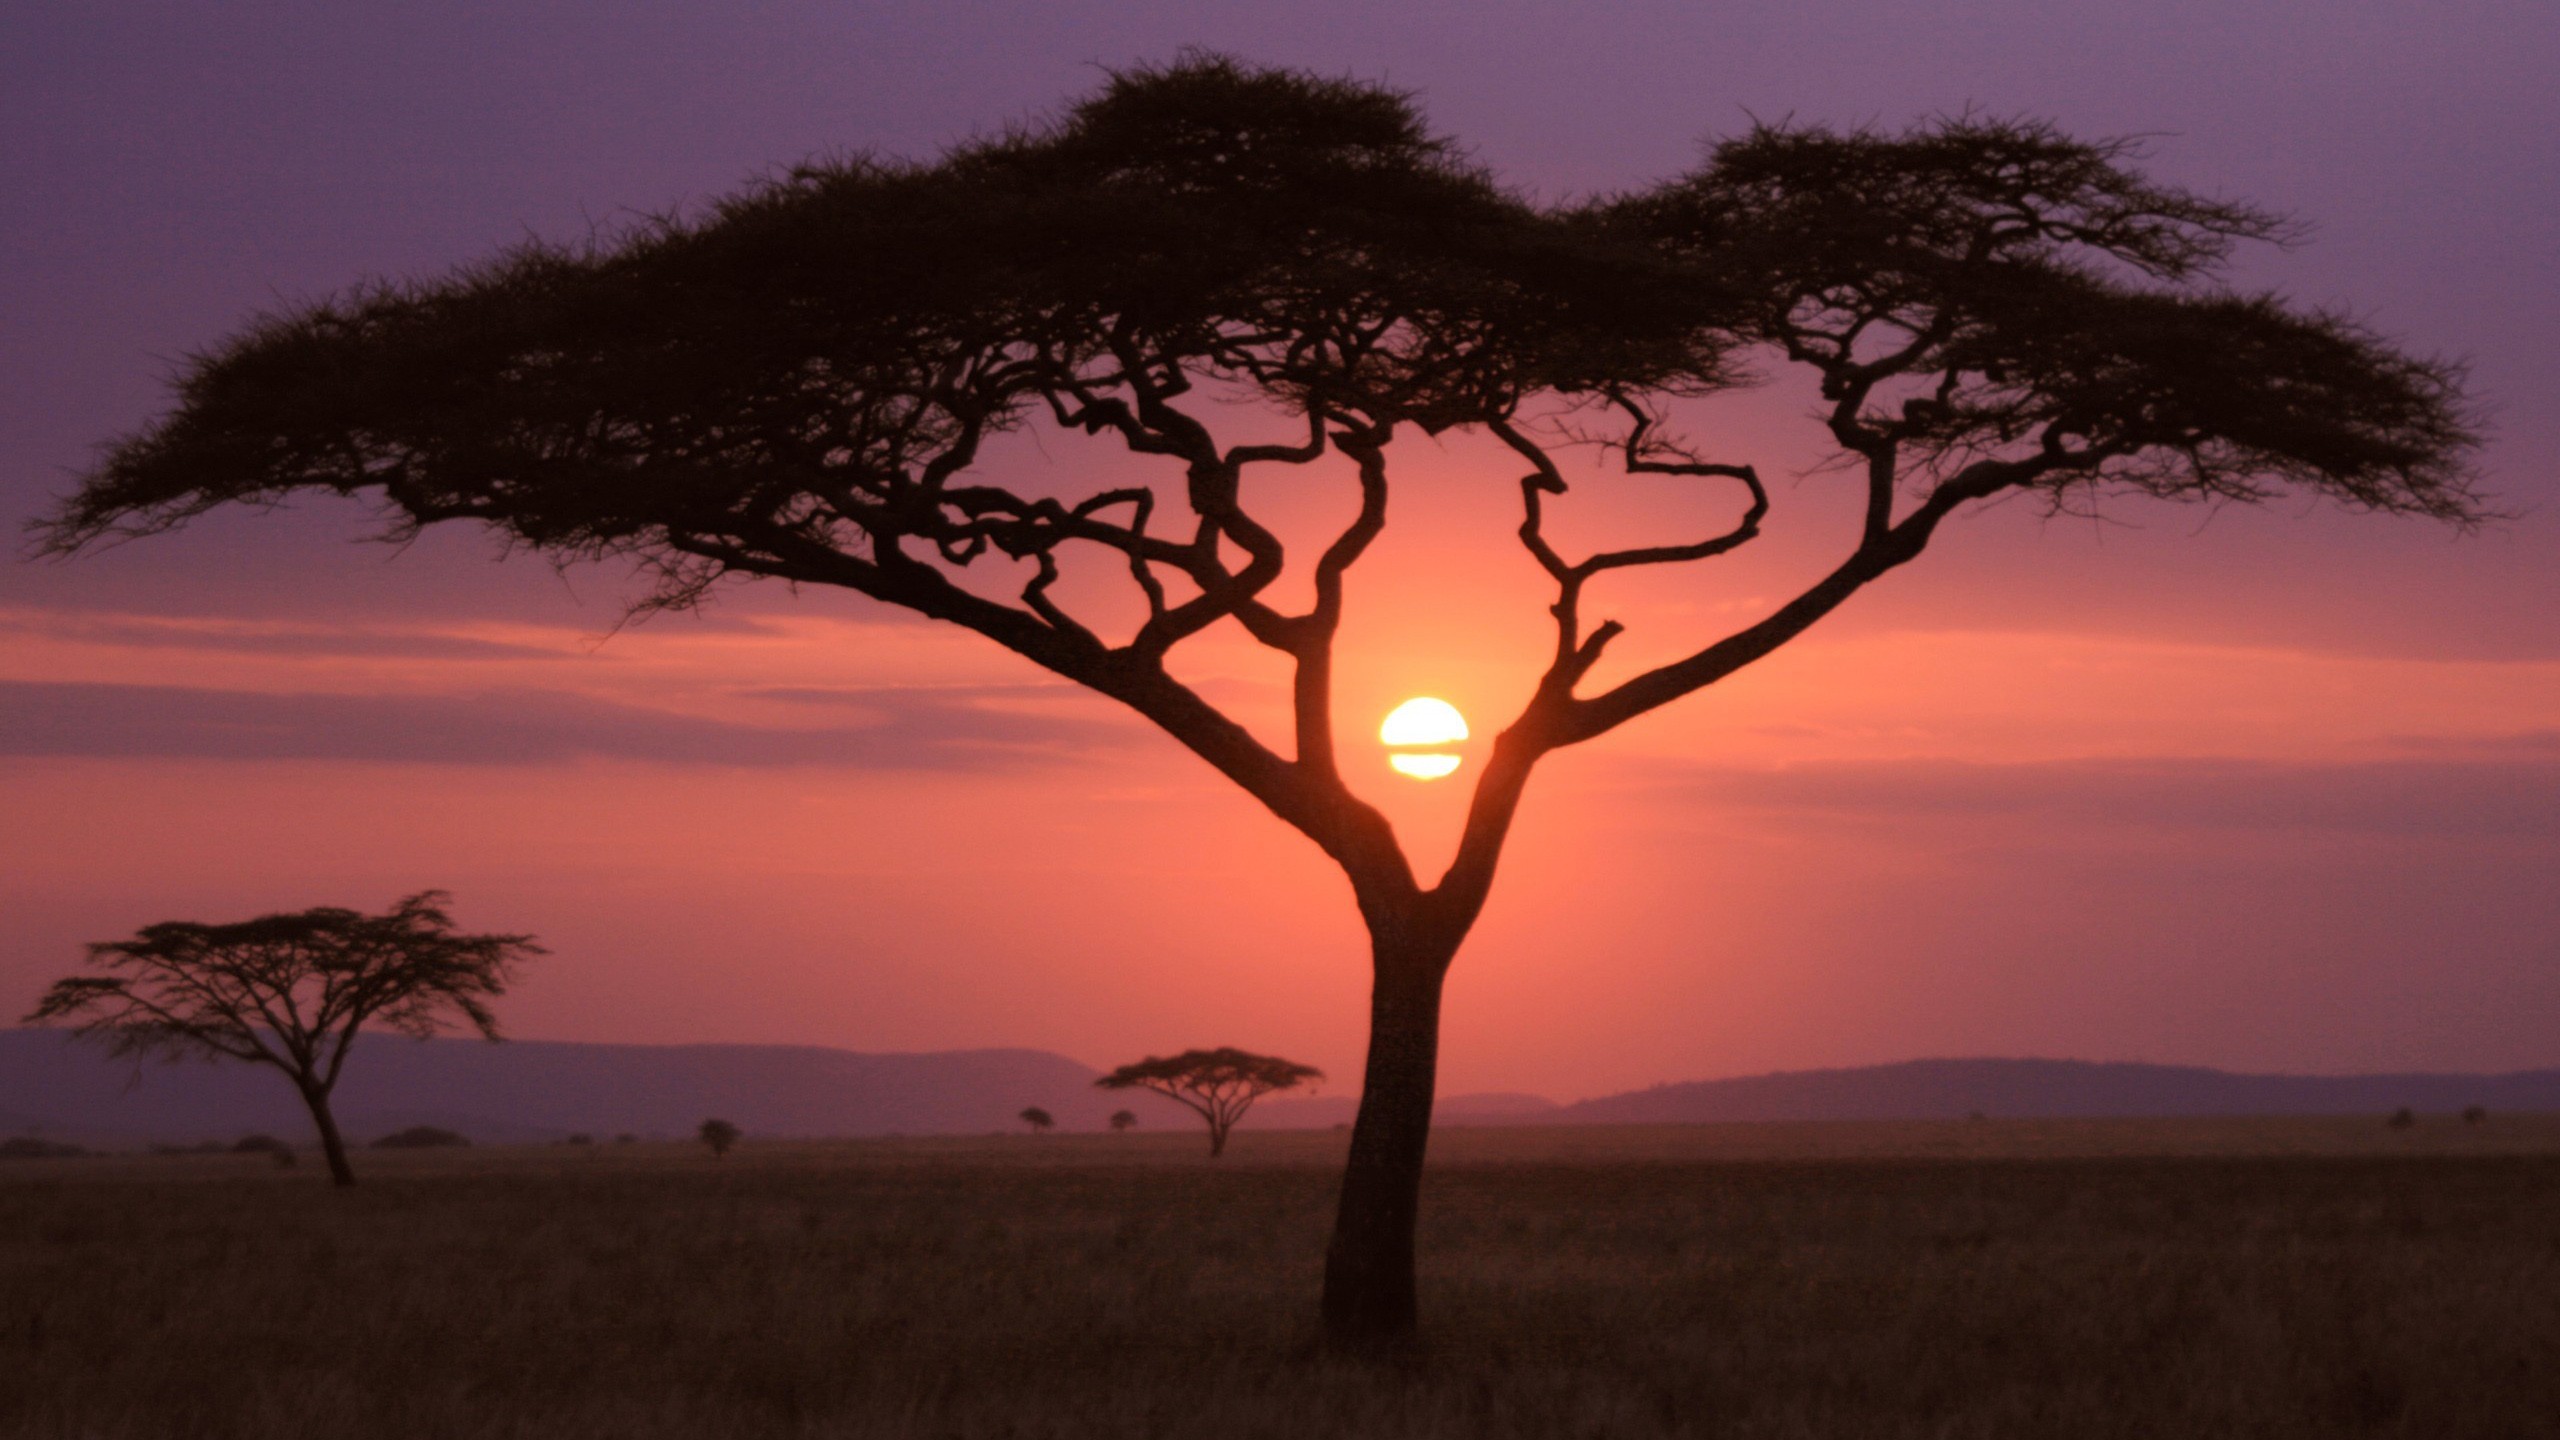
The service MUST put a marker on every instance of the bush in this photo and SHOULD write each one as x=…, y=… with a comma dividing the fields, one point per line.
x=420, y=1137
x=265, y=1145
x=2402, y=1118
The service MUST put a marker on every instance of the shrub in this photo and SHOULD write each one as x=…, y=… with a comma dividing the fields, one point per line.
x=420, y=1137
x=267, y=1145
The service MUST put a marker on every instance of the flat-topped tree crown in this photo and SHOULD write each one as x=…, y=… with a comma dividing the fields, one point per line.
x=1995, y=294
x=1218, y=1085
x=800, y=383
x=290, y=991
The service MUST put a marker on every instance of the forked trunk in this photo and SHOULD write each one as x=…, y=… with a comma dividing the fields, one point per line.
x=340, y=1172
x=1368, y=1273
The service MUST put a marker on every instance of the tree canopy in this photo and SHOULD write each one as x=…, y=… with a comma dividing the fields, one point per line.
x=1217, y=1085
x=801, y=383
x=289, y=991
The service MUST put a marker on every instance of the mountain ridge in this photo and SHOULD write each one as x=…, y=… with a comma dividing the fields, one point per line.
x=535, y=1090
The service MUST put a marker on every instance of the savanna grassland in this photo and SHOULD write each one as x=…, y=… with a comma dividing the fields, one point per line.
x=2083, y=1279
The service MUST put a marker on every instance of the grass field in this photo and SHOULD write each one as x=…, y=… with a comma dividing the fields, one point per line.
x=2081, y=1279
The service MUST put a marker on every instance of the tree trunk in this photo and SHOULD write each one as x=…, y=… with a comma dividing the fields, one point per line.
x=1368, y=1272
x=340, y=1172
x=1217, y=1139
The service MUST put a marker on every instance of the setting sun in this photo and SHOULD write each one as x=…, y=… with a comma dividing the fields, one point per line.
x=1423, y=722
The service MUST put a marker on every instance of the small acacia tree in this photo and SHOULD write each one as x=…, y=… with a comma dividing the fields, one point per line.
x=1123, y=1120
x=800, y=384
x=1218, y=1085
x=288, y=990
x=719, y=1136
x=1040, y=1121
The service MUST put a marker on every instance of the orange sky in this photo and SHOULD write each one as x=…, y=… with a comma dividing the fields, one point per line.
x=1910, y=833
x=2263, y=789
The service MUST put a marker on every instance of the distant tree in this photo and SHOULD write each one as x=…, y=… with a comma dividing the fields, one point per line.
x=719, y=1135
x=1040, y=1121
x=1123, y=1120
x=289, y=991
x=2474, y=1114
x=1219, y=1085
x=31, y=1147
x=2402, y=1119
x=423, y=1137
x=274, y=1149
x=1246, y=282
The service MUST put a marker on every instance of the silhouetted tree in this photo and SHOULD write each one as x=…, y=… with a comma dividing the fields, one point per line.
x=1123, y=1120
x=1040, y=1121
x=2474, y=1114
x=289, y=990
x=800, y=382
x=2402, y=1119
x=1218, y=1085
x=719, y=1135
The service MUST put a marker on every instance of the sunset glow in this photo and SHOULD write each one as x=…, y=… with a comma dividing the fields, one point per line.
x=1424, y=767
x=1423, y=722
x=2268, y=788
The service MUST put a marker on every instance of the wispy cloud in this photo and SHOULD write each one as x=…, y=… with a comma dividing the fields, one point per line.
x=292, y=639
x=901, y=729
x=2509, y=798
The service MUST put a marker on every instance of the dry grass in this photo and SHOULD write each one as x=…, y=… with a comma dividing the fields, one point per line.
x=2307, y=1278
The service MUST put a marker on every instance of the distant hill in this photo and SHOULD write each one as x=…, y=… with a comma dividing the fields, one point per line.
x=525, y=1090
x=1952, y=1089
x=535, y=1090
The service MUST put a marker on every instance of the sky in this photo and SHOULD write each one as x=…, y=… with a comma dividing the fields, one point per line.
x=2272, y=788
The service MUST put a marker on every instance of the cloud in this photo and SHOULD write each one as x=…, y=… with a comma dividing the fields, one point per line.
x=901, y=730
x=2524, y=743
x=157, y=632
x=2501, y=798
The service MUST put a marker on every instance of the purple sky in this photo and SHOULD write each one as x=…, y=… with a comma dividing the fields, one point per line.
x=2259, y=789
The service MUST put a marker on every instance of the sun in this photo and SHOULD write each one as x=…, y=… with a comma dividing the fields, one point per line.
x=1419, y=732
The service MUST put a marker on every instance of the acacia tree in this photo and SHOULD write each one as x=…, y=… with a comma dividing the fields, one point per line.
x=719, y=1136
x=799, y=384
x=289, y=991
x=1217, y=1085
x=1040, y=1121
